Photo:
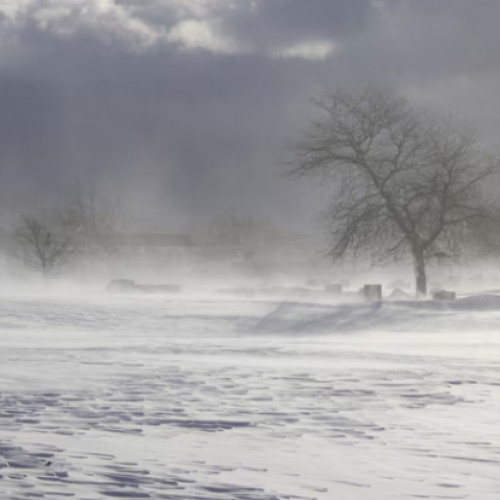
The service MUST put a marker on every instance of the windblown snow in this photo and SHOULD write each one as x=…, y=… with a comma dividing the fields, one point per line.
x=231, y=398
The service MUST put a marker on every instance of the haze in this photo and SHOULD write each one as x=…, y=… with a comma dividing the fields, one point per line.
x=171, y=325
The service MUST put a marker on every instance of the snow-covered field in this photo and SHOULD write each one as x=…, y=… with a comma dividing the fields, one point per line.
x=216, y=397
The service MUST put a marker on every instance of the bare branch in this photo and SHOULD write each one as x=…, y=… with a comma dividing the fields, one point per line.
x=42, y=248
x=402, y=181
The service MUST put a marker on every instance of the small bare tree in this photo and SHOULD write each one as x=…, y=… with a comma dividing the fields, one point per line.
x=402, y=182
x=42, y=248
x=92, y=221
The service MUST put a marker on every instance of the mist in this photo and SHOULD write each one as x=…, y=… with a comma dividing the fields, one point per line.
x=201, y=297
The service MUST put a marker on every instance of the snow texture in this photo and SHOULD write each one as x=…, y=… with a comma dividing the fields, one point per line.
x=224, y=398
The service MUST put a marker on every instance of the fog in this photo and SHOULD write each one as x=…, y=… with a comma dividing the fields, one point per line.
x=172, y=324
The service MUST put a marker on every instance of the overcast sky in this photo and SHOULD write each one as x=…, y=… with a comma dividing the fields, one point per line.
x=186, y=106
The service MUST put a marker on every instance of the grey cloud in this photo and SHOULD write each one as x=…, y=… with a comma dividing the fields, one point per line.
x=203, y=133
x=215, y=25
x=431, y=38
x=282, y=21
x=189, y=134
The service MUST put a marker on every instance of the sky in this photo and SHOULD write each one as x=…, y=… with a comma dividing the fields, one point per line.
x=184, y=110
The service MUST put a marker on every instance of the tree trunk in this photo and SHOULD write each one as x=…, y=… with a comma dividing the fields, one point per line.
x=420, y=274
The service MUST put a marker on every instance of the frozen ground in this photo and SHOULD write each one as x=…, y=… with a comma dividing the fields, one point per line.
x=237, y=399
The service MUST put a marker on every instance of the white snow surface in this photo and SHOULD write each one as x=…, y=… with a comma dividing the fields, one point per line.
x=218, y=397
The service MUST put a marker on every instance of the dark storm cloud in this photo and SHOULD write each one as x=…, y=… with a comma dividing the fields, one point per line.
x=199, y=133
x=287, y=21
x=187, y=108
x=433, y=39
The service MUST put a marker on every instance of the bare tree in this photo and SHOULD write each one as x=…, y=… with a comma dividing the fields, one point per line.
x=91, y=220
x=403, y=183
x=42, y=247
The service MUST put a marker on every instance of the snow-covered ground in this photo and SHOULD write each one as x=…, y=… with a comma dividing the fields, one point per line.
x=216, y=397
